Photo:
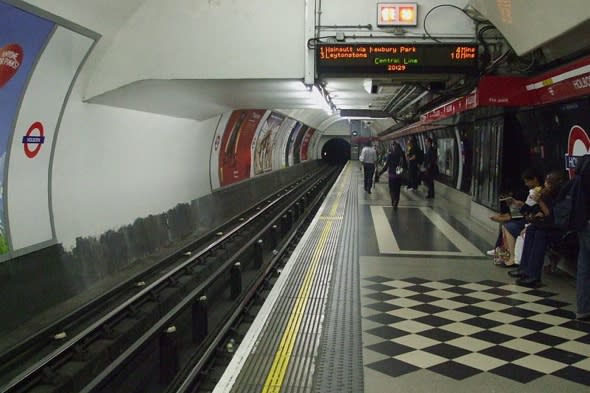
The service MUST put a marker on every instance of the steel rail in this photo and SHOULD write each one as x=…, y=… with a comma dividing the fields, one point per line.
x=194, y=371
x=161, y=324
x=145, y=292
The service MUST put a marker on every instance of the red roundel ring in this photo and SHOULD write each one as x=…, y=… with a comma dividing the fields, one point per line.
x=578, y=144
x=35, y=126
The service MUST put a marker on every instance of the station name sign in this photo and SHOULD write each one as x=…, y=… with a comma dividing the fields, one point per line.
x=384, y=59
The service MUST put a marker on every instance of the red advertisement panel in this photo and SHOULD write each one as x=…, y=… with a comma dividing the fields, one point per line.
x=297, y=145
x=235, y=158
x=305, y=144
x=451, y=108
x=496, y=90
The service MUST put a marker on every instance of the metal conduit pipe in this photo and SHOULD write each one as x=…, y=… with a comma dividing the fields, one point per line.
x=420, y=96
x=401, y=100
x=368, y=27
x=394, y=99
x=318, y=7
x=462, y=37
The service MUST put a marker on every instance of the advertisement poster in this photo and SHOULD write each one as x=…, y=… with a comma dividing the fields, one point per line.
x=296, y=154
x=312, y=149
x=22, y=40
x=305, y=144
x=263, y=143
x=289, y=144
x=235, y=157
x=280, y=143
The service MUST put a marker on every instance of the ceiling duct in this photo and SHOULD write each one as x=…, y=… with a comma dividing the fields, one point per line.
x=398, y=94
x=364, y=113
x=399, y=99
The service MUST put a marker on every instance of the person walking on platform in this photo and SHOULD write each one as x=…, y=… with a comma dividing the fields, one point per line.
x=396, y=164
x=414, y=156
x=430, y=166
x=368, y=157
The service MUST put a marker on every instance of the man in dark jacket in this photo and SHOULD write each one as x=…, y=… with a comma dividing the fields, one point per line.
x=414, y=157
x=396, y=164
x=583, y=271
x=430, y=167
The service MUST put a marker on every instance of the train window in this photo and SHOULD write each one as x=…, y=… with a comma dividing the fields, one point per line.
x=466, y=154
x=446, y=156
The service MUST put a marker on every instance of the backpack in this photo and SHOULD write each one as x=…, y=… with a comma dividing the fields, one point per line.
x=570, y=212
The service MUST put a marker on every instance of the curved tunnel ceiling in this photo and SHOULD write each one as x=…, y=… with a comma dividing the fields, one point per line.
x=200, y=99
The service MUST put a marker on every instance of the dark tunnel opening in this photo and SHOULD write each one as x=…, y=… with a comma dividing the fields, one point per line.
x=336, y=151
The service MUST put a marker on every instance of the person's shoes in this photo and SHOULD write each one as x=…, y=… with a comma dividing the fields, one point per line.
x=516, y=273
x=429, y=196
x=498, y=253
x=498, y=261
x=506, y=265
x=501, y=217
x=528, y=282
x=369, y=191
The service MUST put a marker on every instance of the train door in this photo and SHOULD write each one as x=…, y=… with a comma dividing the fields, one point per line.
x=488, y=138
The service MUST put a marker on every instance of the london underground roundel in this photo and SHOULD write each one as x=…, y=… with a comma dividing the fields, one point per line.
x=578, y=144
x=33, y=139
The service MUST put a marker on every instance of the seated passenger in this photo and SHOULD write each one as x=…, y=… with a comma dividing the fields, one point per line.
x=512, y=228
x=539, y=233
x=507, y=213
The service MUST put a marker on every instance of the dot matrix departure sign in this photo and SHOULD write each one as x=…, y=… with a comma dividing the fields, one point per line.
x=383, y=59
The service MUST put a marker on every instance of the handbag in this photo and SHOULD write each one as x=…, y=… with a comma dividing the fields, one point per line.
x=399, y=170
x=518, y=248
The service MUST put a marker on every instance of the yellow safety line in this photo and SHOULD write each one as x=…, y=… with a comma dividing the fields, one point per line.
x=278, y=369
x=276, y=375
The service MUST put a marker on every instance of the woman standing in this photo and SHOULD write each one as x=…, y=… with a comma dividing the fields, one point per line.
x=413, y=154
x=395, y=162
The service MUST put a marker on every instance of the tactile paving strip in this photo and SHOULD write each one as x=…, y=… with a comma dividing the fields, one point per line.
x=340, y=359
x=284, y=357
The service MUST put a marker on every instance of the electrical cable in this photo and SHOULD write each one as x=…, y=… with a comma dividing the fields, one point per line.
x=527, y=67
x=439, y=6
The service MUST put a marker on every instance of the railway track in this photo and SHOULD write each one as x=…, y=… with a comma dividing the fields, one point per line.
x=160, y=329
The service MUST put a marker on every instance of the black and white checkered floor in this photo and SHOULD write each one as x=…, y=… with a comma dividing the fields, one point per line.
x=459, y=329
